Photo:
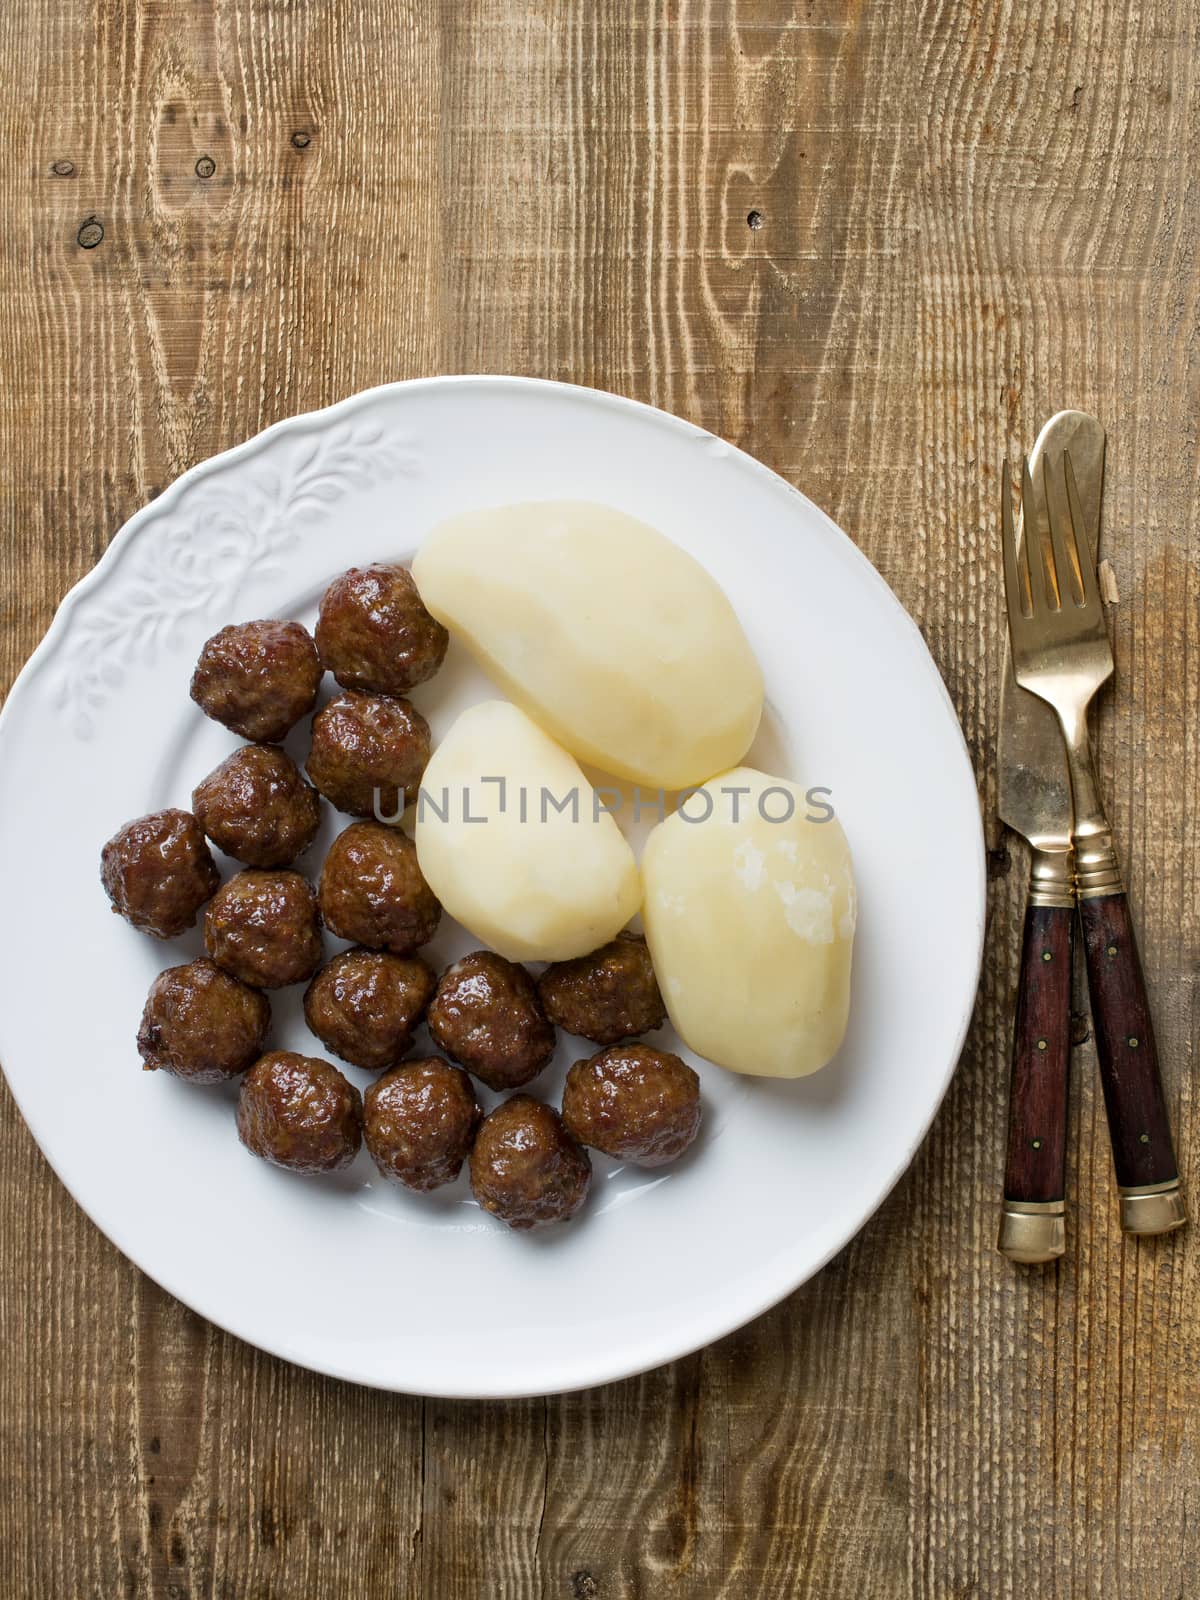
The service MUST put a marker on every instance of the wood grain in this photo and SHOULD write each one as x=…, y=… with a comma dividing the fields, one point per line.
x=970, y=215
x=1035, y=1167
x=1127, y=1053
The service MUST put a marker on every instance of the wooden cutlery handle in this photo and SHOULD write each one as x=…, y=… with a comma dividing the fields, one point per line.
x=1031, y=1225
x=1139, y=1128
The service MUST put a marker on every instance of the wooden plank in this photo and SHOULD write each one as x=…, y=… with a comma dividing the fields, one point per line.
x=967, y=216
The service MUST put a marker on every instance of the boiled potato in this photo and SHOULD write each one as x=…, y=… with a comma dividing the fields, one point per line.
x=533, y=881
x=750, y=923
x=612, y=638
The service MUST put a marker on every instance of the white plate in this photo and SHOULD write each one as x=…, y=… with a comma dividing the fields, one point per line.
x=350, y=1275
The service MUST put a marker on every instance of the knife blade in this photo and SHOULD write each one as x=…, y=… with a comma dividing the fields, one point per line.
x=1035, y=800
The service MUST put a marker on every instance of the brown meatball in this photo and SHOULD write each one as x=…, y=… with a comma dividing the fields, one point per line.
x=633, y=1102
x=256, y=807
x=373, y=891
x=419, y=1121
x=485, y=1013
x=264, y=927
x=201, y=1024
x=526, y=1168
x=607, y=996
x=368, y=754
x=300, y=1113
x=374, y=632
x=258, y=678
x=365, y=1004
x=158, y=872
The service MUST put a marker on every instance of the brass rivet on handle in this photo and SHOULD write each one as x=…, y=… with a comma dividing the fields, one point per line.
x=1111, y=951
x=1043, y=1044
x=1132, y=1041
x=1047, y=955
x=1036, y=1143
x=1143, y=1138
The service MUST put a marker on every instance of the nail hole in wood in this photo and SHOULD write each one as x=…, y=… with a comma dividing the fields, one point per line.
x=301, y=140
x=62, y=169
x=90, y=233
x=754, y=219
x=205, y=167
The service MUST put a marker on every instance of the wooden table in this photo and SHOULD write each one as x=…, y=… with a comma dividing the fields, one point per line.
x=876, y=244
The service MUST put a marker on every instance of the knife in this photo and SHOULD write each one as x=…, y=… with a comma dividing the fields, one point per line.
x=1035, y=801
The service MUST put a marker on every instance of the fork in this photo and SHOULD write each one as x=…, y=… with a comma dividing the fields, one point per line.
x=1061, y=653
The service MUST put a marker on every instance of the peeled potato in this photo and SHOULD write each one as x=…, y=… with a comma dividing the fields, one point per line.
x=533, y=881
x=750, y=922
x=611, y=637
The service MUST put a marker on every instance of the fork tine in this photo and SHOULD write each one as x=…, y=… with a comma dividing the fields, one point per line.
x=1086, y=567
x=1063, y=541
x=1042, y=591
x=1008, y=539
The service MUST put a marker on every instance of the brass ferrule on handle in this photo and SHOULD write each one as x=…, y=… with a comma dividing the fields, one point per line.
x=1097, y=870
x=1033, y=1231
x=1052, y=878
x=1153, y=1208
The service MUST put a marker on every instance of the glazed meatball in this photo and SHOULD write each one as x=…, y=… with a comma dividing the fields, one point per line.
x=607, y=996
x=299, y=1112
x=419, y=1121
x=633, y=1102
x=158, y=872
x=373, y=891
x=374, y=632
x=365, y=1004
x=368, y=754
x=485, y=1013
x=264, y=927
x=526, y=1168
x=201, y=1024
x=258, y=678
x=256, y=807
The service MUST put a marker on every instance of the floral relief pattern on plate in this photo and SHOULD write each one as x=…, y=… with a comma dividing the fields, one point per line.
x=219, y=527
